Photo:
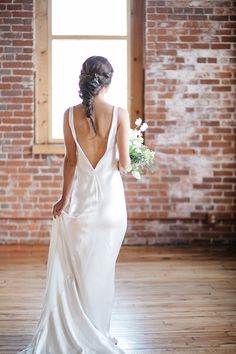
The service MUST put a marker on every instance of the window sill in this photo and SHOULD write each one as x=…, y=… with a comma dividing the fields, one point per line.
x=48, y=149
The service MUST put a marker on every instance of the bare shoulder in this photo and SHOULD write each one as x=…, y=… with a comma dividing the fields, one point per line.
x=123, y=115
x=79, y=107
x=66, y=115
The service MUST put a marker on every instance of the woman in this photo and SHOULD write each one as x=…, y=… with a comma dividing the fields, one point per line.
x=89, y=224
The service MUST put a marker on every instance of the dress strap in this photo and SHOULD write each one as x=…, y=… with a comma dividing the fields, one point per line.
x=112, y=133
x=71, y=122
x=116, y=120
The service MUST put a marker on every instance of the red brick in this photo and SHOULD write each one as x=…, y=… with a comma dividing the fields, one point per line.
x=189, y=38
x=193, y=122
x=221, y=88
x=22, y=14
x=220, y=46
x=209, y=81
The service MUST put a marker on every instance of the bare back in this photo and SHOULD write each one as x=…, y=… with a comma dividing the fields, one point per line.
x=94, y=146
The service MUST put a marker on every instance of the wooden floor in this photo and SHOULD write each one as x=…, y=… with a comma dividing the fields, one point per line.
x=168, y=299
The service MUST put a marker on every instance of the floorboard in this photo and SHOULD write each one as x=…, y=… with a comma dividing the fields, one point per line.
x=168, y=299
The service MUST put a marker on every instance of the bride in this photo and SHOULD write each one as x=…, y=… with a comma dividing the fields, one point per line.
x=89, y=224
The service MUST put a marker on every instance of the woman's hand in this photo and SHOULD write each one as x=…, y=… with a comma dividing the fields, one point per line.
x=57, y=208
x=123, y=170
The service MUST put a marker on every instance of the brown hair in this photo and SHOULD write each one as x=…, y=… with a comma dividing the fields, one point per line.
x=96, y=73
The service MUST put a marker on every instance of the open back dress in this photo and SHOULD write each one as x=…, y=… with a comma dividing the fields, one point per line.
x=84, y=245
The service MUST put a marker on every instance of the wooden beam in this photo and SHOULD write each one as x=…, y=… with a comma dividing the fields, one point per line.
x=48, y=149
x=136, y=72
x=42, y=72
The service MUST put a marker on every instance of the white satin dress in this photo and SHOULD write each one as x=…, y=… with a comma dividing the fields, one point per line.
x=85, y=242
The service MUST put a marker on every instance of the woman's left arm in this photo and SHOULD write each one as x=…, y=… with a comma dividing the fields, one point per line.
x=68, y=168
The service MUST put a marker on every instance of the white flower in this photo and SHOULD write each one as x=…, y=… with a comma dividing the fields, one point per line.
x=138, y=122
x=136, y=174
x=134, y=133
x=129, y=168
x=143, y=127
x=142, y=158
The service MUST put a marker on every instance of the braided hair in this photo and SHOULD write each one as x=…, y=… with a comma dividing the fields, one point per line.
x=95, y=74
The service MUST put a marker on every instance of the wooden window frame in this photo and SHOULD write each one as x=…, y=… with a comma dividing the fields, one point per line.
x=42, y=144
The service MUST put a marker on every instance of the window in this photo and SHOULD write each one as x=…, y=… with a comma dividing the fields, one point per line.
x=69, y=31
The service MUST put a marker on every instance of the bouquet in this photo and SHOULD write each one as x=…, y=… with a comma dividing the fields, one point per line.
x=142, y=158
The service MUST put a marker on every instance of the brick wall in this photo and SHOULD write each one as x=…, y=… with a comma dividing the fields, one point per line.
x=189, y=106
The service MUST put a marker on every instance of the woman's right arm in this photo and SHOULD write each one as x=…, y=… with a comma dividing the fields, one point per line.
x=123, y=139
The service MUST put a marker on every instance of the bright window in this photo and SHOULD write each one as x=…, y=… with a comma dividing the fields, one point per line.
x=67, y=33
x=89, y=17
x=75, y=37
x=67, y=59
